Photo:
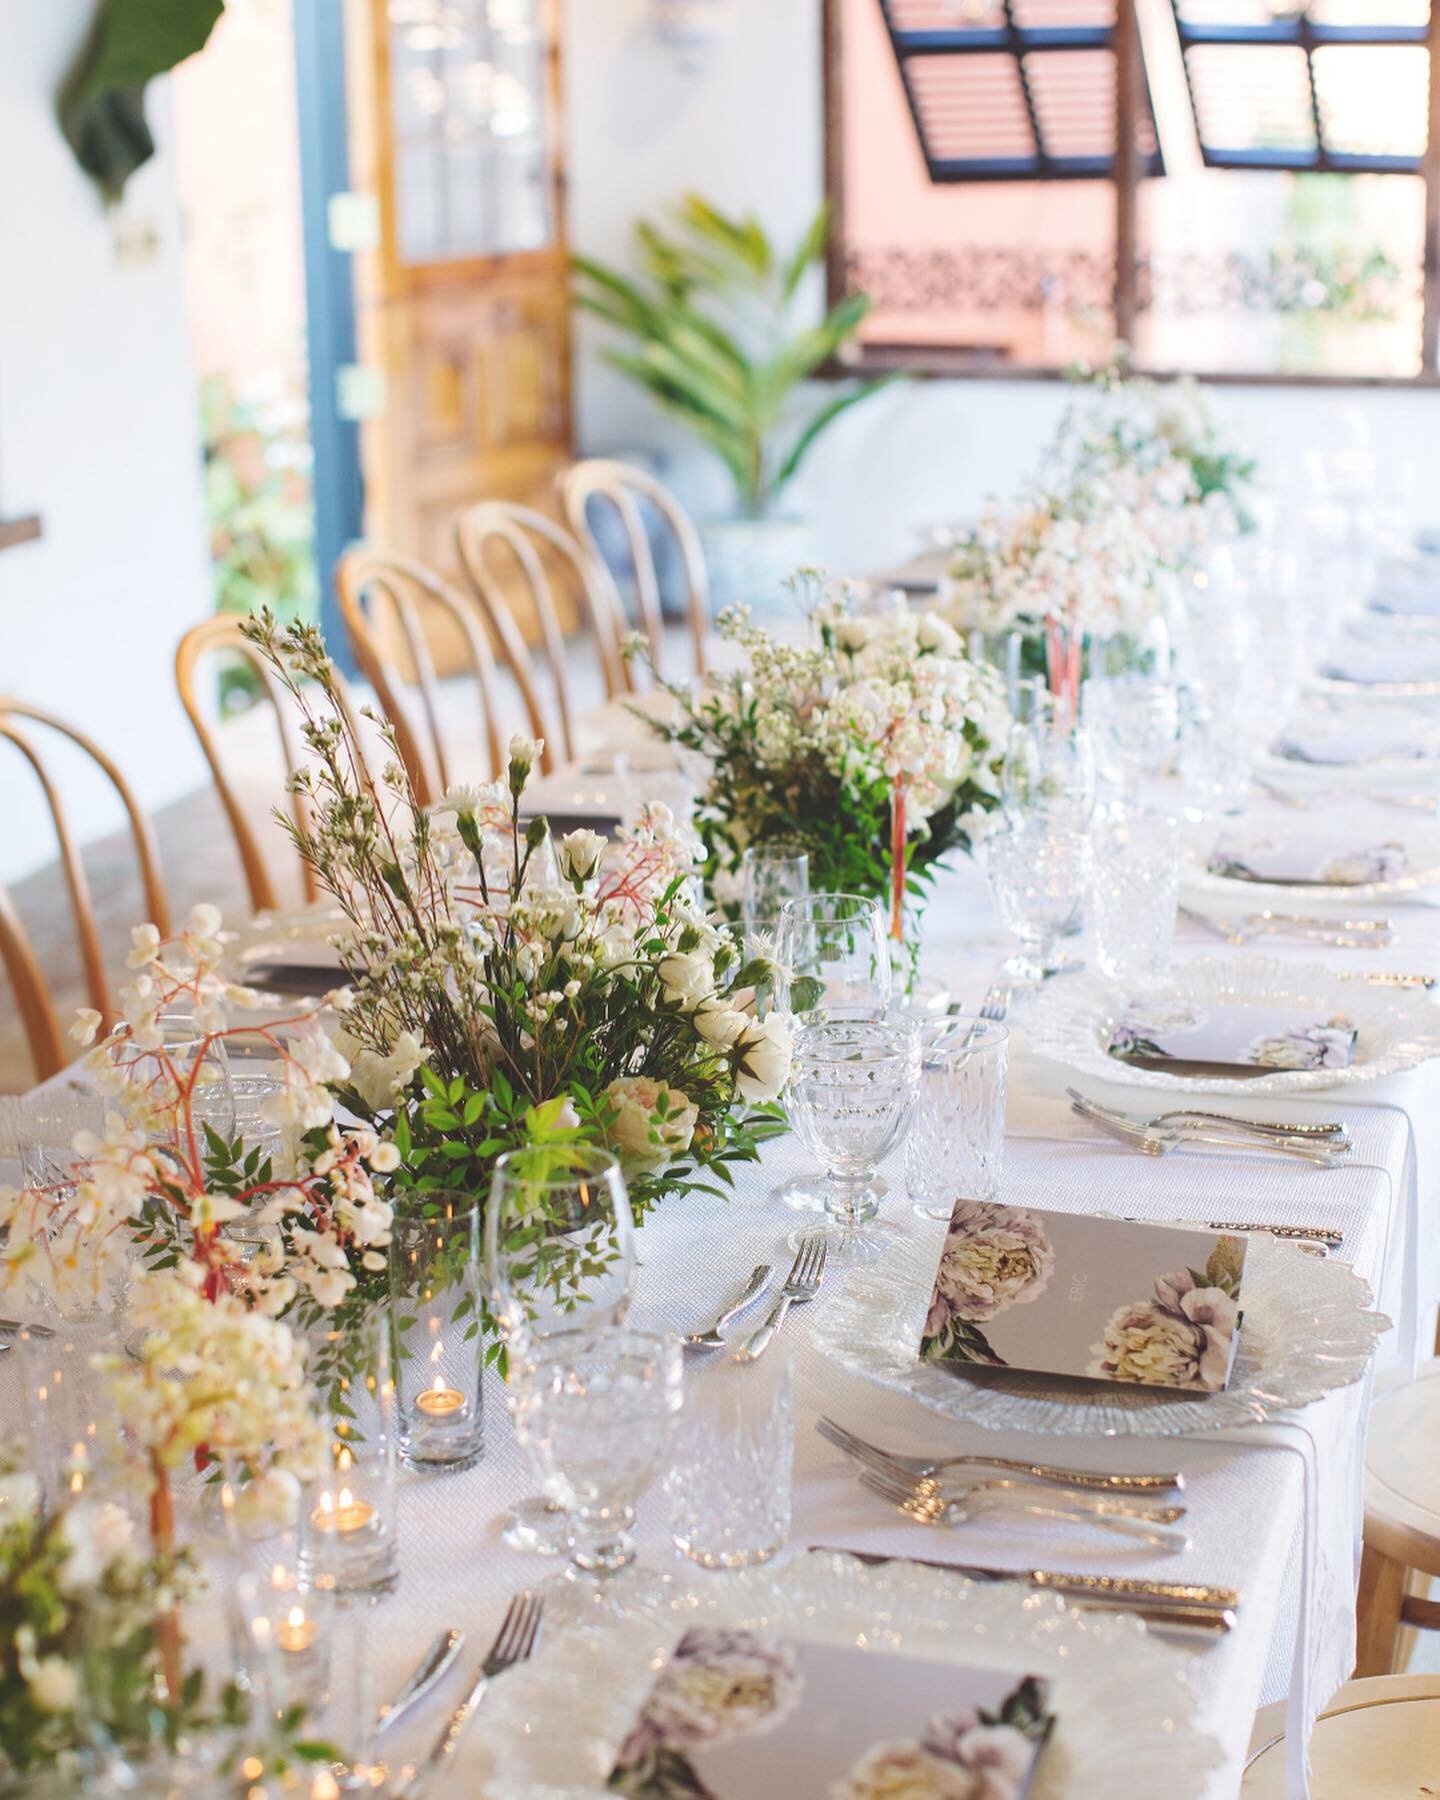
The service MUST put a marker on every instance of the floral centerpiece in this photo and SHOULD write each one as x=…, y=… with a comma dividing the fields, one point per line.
x=502, y=994
x=875, y=745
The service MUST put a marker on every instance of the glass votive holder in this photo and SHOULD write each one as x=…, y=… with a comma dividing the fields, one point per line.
x=955, y=1141
x=1134, y=891
x=771, y=874
x=348, y=1520
x=435, y=1265
x=729, y=1484
x=283, y=1635
x=74, y=1441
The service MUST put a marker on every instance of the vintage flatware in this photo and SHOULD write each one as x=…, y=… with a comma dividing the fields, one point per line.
x=1255, y=925
x=1391, y=978
x=801, y=1284
x=1169, y=1605
x=429, y=1671
x=925, y=1467
x=1332, y=1131
x=36, y=1331
x=996, y=1003
x=1153, y=1142
x=1403, y=802
x=1109, y=1506
x=513, y=1643
x=753, y=1289
x=931, y=1508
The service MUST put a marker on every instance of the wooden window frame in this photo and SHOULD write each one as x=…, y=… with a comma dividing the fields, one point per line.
x=928, y=360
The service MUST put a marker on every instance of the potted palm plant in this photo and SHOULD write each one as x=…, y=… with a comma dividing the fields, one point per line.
x=715, y=339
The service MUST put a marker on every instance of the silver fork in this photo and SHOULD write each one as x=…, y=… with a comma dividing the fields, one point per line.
x=1118, y=1506
x=801, y=1284
x=1160, y=1143
x=1332, y=1132
x=996, y=1003
x=1261, y=925
x=513, y=1643
x=928, y=1507
x=928, y=1467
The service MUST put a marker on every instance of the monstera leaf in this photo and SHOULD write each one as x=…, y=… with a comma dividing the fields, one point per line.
x=102, y=103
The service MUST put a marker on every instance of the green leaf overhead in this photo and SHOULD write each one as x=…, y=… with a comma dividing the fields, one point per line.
x=102, y=101
x=713, y=342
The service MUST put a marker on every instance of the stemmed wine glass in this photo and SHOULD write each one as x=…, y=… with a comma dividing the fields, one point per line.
x=834, y=958
x=1049, y=763
x=1037, y=868
x=770, y=874
x=559, y=1260
x=851, y=1089
x=592, y=1411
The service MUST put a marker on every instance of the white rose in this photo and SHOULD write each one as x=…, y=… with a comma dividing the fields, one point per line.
x=719, y=1024
x=54, y=1685
x=19, y=1495
x=381, y=1080
x=643, y=1141
x=580, y=854
x=762, y=1058
x=932, y=633
x=94, y=1533
x=852, y=634
x=686, y=978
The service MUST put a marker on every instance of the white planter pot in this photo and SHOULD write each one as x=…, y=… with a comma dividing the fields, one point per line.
x=750, y=559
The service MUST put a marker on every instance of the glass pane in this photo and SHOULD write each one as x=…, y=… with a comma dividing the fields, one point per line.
x=469, y=115
x=1273, y=272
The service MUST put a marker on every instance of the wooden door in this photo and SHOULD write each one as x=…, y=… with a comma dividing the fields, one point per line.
x=463, y=310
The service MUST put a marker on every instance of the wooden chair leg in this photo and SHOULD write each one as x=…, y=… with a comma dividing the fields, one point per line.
x=1377, y=1609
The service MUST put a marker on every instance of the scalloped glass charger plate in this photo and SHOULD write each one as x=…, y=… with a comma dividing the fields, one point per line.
x=1422, y=870
x=1309, y=1328
x=1398, y=1029
x=1125, y=1714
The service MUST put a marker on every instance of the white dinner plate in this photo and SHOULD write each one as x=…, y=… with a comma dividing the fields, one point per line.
x=1073, y=1019
x=1125, y=1714
x=1422, y=870
x=1308, y=1328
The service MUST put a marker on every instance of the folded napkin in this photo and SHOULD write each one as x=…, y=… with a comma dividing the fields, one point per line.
x=1410, y=600
x=1349, y=746
x=1367, y=666
x=1229, y=1035
x=1306, y=862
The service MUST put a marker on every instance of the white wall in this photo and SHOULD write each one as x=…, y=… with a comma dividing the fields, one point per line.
x=98, y=434
x=745, y=128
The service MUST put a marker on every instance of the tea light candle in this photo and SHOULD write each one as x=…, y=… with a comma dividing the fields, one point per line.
x=440, y=1402
x=297, y=1634
x=344, y=1514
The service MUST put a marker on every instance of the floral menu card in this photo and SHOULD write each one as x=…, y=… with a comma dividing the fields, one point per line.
x=1229, y=1035
x=1069, y=1294
x=1307, y=861
x=740, y=1714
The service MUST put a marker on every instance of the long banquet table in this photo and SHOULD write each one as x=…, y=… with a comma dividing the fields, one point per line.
x=1247, y=1491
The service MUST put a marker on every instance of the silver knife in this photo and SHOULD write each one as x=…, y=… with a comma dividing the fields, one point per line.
x=753, y=1289
x=428, y=1672
x=1186, y=1605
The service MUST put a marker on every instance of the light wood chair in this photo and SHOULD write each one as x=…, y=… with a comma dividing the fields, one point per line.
x=1402, y=1523
x=222, y=636
x=597, y=482
x=497, y=537
x=368, y=580
x=1378, y=1739
x=48, y=1051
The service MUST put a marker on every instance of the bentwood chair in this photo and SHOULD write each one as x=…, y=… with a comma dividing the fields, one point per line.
x=497, y=539
x=587, y=489
x=221, y=636
x=46, y=1041
x=1402, y=1524
x=1379, y=1739
x=370, y=584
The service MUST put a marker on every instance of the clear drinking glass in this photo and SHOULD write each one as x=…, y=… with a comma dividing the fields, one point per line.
x=559, y=1257
x=1133, y=722
x=435, y=1307
x=838, y=941
x=1216, y=755
x=851, y=1087
x=75, y=1445
x=1036, y=868
x=47, y=1123
x=956, y=1137
x=592, y=1412
x=1049, y=764
x=771, y=874
x=729, y=1482
x=1134, y=890
x=348, y=1525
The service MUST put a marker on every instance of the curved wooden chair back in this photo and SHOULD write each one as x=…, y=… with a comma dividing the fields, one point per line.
x=597, y=480
x=367, y=579
x=526, y=535
x=222, y=636
x=37, y=1010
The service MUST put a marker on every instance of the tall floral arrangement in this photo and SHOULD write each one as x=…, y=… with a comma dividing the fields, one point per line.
x=504, y=993
x=874, y=744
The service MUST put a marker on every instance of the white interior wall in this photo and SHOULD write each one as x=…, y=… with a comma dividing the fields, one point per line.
x=99, y=435
x=742, y=123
